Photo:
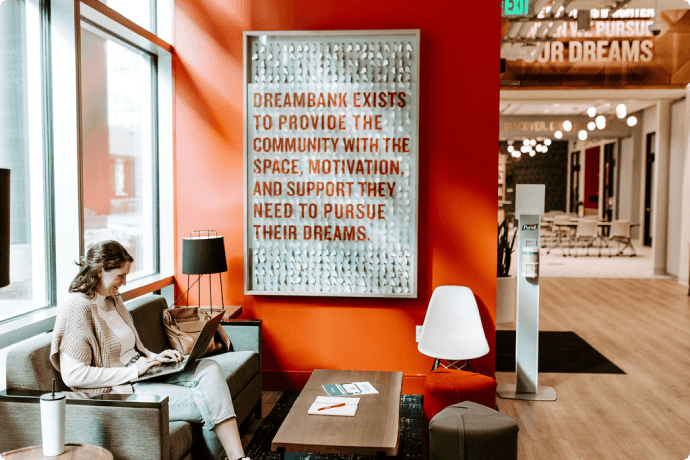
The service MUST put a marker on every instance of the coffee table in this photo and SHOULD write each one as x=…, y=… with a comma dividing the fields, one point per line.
x=374, y=430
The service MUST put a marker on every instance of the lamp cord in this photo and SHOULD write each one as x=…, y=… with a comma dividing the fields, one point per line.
x=186, y=292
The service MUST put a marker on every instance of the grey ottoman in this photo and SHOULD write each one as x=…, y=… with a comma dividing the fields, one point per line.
x=470, y=431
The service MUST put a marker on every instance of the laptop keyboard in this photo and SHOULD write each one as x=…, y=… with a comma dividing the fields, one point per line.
x=164, y=367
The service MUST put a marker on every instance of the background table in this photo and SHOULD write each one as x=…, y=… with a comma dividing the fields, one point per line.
x=72, y=452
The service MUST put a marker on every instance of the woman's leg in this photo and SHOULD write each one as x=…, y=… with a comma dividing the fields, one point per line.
x=201, y=395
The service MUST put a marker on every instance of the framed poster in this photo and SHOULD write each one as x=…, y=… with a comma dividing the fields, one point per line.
x=331, y=163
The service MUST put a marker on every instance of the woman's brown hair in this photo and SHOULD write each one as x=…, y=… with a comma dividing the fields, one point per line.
x=107, y=255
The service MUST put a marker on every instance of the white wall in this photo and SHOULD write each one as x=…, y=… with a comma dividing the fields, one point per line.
x=676, y=165
x=625, y=183
x=684, y=210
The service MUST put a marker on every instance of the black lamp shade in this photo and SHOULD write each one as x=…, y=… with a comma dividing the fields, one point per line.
x=203, y=255
x=4, y=227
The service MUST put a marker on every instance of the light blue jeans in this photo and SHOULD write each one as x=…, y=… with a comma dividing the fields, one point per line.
x=200, y=394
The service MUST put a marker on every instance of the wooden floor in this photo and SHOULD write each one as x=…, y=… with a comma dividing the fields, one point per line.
x=643, y=326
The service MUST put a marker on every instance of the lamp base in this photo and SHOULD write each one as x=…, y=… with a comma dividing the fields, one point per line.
x=509, y=391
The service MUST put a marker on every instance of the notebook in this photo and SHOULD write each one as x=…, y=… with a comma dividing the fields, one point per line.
x=324, y=406
x=197, y=352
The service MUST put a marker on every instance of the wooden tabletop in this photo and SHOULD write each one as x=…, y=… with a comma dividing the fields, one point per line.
x=374, y=428
x=72, y=452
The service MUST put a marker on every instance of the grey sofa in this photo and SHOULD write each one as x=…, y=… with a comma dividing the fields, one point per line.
x=130, y=426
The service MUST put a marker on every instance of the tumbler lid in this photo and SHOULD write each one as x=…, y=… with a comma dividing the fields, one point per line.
x=53, y=396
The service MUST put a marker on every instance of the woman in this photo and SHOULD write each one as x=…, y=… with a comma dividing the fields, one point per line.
x=96, y=349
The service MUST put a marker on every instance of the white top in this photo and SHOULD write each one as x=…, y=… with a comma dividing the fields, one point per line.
x=77, y=374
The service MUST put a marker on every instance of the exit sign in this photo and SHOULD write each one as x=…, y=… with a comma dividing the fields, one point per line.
x=515, y=7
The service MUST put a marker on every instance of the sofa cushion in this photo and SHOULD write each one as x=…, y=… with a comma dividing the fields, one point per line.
x=180, y=439
x=29, y=366
x=147, y=313
x=239, y=368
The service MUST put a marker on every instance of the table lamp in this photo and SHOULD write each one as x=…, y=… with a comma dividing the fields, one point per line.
x=203, y=253
x=4, y=227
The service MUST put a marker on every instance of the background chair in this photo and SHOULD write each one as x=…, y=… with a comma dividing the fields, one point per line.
x=586, y=232
x=453, y=334
x=620, y=233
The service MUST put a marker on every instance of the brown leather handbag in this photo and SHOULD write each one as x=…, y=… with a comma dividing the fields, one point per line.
x=183, y=325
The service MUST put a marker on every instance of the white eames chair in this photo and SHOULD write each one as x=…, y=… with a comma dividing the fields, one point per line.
x=452, y=329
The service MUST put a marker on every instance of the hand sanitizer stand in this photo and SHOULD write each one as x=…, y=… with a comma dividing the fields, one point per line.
x=529, y=206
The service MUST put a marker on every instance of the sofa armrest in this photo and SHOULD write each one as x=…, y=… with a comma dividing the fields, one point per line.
x=245, y=334
x=130, y=426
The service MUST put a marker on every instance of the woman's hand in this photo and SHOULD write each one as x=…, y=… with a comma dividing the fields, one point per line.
x=144, y=363
x=168, y=356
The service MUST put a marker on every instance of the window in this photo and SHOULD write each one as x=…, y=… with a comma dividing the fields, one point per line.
x=139, y=12
x=90, y=154
x=21, y=151
x=119, y=154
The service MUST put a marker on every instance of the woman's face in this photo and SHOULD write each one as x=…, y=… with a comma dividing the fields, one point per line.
x=110, y=281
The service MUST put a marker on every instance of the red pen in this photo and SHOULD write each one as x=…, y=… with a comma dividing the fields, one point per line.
x=332, y=407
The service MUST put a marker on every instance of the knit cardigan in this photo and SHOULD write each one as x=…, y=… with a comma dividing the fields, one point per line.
x=81, y=333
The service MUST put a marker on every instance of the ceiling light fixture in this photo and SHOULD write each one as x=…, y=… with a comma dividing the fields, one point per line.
x=547, y=141
x=591, y=126
x=525, y=142
x=601, y=122
x=567, y=126
x=591, y=111
x=558, y=134
x=532, y=153
x=516, y=154
x=510, y=149
x=582, y=134
x=632, y=120
x=621, y=110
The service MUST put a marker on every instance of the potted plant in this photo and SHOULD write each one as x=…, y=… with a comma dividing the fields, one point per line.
x=506, y=285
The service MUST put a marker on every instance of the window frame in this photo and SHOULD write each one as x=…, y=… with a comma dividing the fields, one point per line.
x=61, y=202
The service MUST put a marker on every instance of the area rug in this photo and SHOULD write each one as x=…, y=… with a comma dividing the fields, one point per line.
x=559, y=352
x=259, y=448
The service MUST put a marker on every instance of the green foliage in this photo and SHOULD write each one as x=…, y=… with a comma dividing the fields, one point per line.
x=505, y=248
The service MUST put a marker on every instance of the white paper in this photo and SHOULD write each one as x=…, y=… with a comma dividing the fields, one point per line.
x=346, y=389
x=349, y=409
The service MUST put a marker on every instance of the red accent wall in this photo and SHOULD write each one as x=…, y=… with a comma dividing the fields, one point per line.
x=592, y=178
x=459, y=111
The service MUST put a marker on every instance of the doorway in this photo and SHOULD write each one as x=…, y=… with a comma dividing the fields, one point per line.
x=575, y=182
x=609, y=190
x=648, y=186
x=591, y=201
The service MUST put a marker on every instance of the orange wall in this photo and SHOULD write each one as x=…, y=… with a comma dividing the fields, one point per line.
x=457, y=193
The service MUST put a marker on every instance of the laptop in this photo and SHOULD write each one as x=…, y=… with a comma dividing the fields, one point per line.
x=197, y=352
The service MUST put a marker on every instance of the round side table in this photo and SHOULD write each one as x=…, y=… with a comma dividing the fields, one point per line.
x=72, y=452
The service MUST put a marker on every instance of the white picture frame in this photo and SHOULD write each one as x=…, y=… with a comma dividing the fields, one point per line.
x=331, y=154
